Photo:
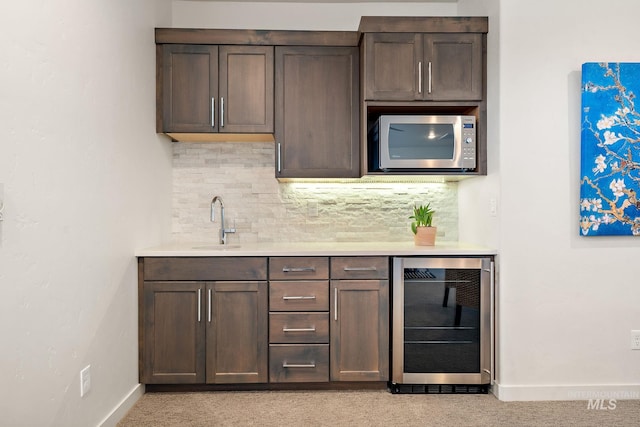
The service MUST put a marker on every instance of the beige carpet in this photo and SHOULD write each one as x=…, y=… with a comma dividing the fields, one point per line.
x=365, y=408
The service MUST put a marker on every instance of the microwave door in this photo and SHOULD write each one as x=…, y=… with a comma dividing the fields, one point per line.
x=422, y=144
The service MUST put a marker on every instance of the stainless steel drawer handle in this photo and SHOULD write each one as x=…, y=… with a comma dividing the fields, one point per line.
x=312, y=329
x=298, y=269
x=298, y=365
x=360, y=269
x=286, y=298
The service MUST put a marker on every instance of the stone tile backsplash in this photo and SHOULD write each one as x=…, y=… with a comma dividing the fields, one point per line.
x=262, y=209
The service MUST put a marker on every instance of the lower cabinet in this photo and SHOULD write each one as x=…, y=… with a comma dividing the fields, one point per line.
x=316, y=319
x=298, y=319
x=199, y=325
x=360, y=330
x=359, y=319
x=205, y=332
x=173, y=333
x=237, y=332
x=356, y=314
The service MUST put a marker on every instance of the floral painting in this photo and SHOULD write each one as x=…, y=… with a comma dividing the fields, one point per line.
x=610, y=160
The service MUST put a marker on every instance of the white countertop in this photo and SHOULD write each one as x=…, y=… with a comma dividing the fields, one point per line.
x=408, y=248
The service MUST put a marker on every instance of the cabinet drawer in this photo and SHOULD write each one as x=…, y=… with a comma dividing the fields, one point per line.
x=298, y=268
x=359, y=268
x=298, y=363
x=287, y=328
x=302, y=295
x=205, y=268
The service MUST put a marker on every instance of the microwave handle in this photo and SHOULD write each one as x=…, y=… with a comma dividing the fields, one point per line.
x=429, y=88
x=419, y=77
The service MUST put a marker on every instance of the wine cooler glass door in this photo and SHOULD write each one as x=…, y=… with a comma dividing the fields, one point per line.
x=441, y=313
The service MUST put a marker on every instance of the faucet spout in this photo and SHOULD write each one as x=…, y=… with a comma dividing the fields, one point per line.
x=223, y=229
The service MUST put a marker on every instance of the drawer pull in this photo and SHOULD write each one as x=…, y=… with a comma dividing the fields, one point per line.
x=298, y=365
x=360, y=269
x=312, y=329
x=298, y=269
x=298, y=297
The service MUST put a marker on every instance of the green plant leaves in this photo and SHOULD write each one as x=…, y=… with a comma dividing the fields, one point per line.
x=422, y=216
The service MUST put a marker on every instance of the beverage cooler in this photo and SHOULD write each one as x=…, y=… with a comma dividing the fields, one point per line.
x=442, y=325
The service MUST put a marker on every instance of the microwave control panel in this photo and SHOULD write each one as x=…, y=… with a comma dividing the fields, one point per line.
x=468, y=142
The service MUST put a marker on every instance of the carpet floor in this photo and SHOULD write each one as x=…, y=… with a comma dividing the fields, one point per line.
x=367, y=408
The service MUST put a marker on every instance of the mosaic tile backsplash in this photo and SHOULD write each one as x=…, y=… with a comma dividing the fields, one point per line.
x=262, y=209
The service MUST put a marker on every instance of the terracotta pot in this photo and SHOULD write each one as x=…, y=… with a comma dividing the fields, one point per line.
x=426, y=236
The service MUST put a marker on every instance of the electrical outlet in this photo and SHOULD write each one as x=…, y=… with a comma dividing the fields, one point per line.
x=493, y=206
x=85, y=380
x=635, y=340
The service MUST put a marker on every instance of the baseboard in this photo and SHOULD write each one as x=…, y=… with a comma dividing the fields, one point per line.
x=512, y=393
x=123, y=407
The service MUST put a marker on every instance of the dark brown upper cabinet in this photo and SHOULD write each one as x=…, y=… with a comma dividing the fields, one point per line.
x=317, y=115
x=216, y=89
x=423, y=67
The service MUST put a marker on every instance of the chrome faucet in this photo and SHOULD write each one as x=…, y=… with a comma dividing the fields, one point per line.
x=223, y=230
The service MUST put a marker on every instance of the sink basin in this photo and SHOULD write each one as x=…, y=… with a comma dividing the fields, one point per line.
x=214, y=247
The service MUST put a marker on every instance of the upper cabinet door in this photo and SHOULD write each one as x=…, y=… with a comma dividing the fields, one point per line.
x=209, y=89
x=246, y=89
x=423, y=67
x=453, y=67
x=317, y=115
x=190, y=88
x=391, y=66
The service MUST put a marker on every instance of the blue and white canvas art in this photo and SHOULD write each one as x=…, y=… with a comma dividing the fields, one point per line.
x=610, y=143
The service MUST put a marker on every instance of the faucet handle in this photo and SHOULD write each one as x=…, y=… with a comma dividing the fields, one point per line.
x=231, y=230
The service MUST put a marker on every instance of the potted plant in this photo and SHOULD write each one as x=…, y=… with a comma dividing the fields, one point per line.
x=424, y=233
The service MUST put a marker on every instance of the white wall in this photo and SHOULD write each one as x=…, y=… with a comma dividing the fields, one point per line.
x=567, y=303
x=86, y=183
x=291, y=15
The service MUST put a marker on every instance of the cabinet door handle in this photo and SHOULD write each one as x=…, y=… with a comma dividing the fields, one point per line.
x=286, y=298
x=335, y=306
x=298, y=365
x=419, y=76
x=311, y=329
x=298, y=269
x=213, y=112
x=429, y=76
x=209, y=309
x=199, y=303
x=221, y=112
x=279, y=158
x=360, y=269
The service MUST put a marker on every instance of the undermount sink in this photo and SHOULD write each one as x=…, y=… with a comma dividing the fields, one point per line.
x=214, y=247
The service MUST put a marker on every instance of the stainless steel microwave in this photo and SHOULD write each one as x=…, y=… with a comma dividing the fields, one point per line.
x=416, y=142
